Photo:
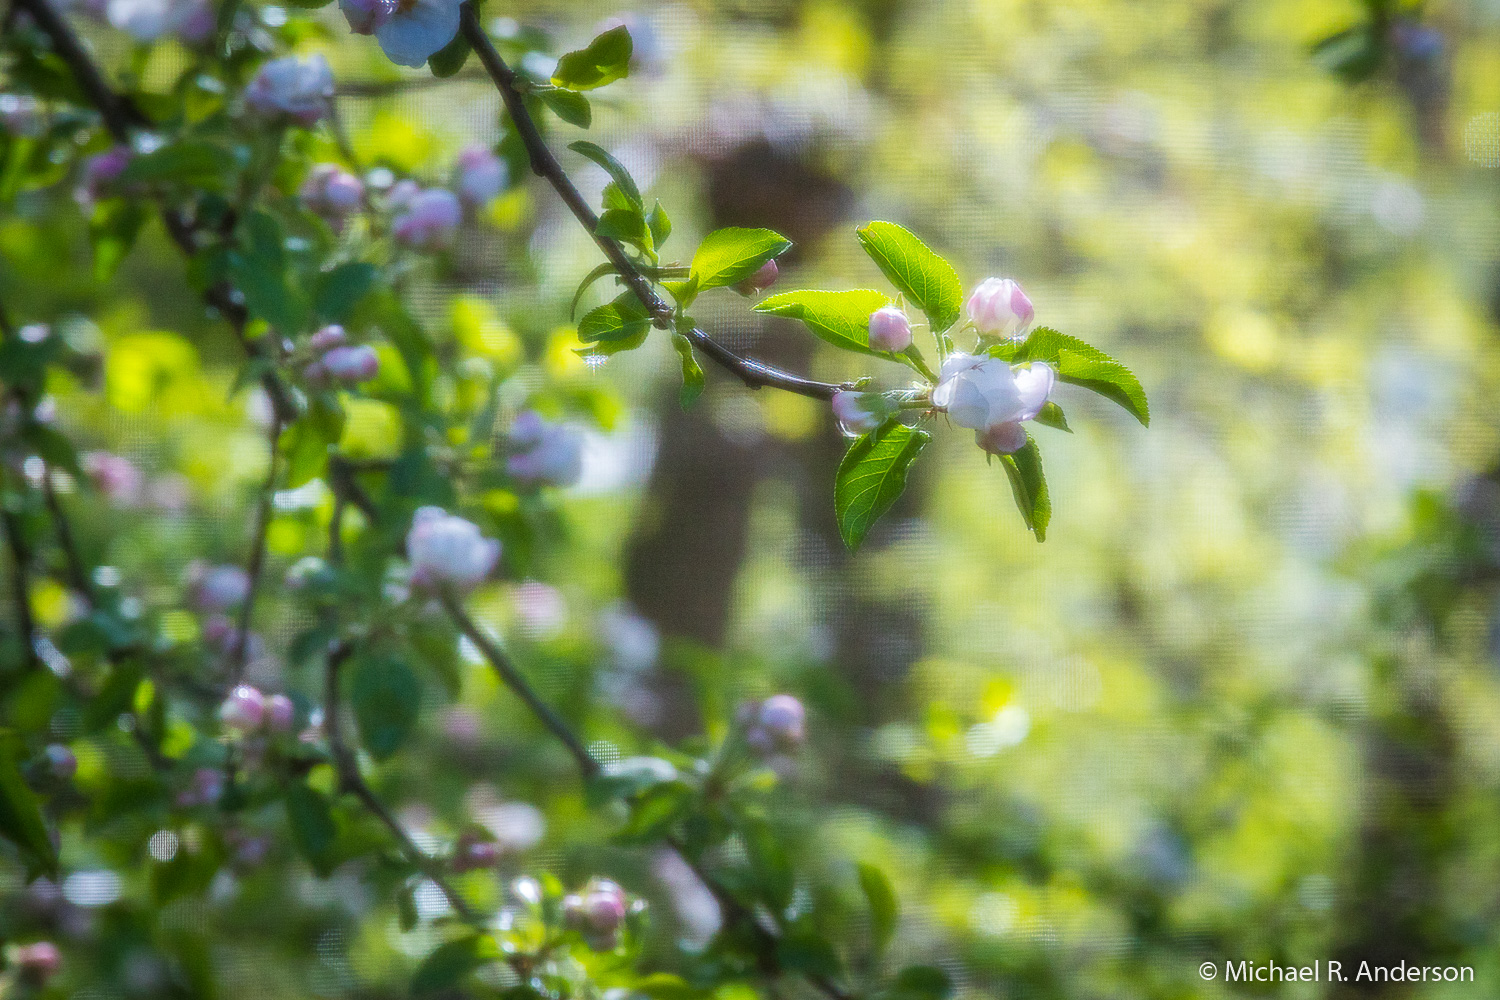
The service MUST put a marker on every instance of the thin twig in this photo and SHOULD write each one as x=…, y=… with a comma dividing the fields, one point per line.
x=20, y=583
x=754, y=374
x=77, y=574
x=491, y=651
x=255, y=563
x=383, y=88
x=351, y=781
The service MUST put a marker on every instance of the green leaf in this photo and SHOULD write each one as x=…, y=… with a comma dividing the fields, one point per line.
x=840, y=318
x=808, y=952
x=1024, y=467
x=259, y=270
x=872, y=477
x=613, y=166
x=622, y=319
x=625, y=226
x=54, y=448
x=1080, y=364
x=920, y=982
x=386, y=698
x=692, y=372
x=191, y=163
x=1052, y=416
x=449, y=59
x=587, y=282
x=449, y=963
x=1354, y=54
x=21, y=820
x=728, y=256
x=883, y=906
x=604, y=60
x=571, y=107
x=923, y=276
x=654, y=811
x=666, y=986
x=340, y=289
x=659, y=223
x=113, y=230
x=313, y=829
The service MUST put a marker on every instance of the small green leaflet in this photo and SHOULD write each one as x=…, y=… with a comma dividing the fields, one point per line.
x=872, y=477
x=1024, y=468
x=1052, y=416
x=21, y=820
x=571, y=107
x=841, y=318
x=626, y=226
x=728, y=256
x=449, y=59
x=659, y=223
x=191, y=162
x=621, y=319
x=692, y=373
x=604, y=60
x=386, y=698
x=1080, y=364
x=883, y=906
x=922, y=275
x=613, y=166
x=313, y=828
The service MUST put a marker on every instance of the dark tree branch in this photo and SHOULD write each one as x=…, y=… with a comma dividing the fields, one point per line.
x=255, y=563
x=351, y=781
x=587, y=762
x=20, y=582
x=77, y=573
x=754, y=374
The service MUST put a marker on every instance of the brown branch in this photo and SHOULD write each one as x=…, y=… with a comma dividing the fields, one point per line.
x=755, y=374
x=351, y=781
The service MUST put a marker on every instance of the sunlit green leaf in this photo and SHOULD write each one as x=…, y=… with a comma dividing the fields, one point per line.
x=883, y=906
x=450, y=963
x=840, y=318
x=1080, y=364
x=872, y=477
x=729, y=256
x=571, y=107
x=613, y=166
x=604, y=60
x=692, y=372
x=1024, y=468
x=620, y=319
x=923, y=276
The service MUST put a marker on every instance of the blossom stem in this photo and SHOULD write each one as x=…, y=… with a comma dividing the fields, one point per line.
x=755, y=374
x=255, y=563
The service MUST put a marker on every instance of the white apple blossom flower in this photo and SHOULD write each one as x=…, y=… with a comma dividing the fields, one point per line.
x=545, y=452
x=429, y=220
x=445, y=549
x=416, y=29
x=990, y=397
x=297, y=88
x=480, y=176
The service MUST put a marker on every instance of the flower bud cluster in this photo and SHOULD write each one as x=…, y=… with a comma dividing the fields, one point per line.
x=246, y=710
x=598, y=912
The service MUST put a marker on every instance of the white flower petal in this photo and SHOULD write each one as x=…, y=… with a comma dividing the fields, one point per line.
x=414, y=34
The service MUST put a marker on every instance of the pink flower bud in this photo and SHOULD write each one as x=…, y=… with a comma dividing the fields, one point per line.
x=764, y=277
x=216, y=588
x=117, y=478
x=780, y=722
x=329, y=337
x=470, y=852
x=38, y=961
x=598, y=911
x=998, y=308
x=365, y=16
x=480, y=177
x=204, y=790
x=429, y=221
x=280, y=713
x=60, y=761
x=300, y=89
x=244, y=710
x=352, y=364
x=1002, y=439
x=544, y=453
x=100, y=171
x=445, y=549
x=332, y=192
x=890, y=330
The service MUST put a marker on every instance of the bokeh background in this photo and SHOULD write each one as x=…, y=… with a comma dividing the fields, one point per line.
x=1242, y=703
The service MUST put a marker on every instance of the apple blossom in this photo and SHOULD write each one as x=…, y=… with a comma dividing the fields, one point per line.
x=332, y=192
x=544, y=452
x=417, y=29
x=480, y=176
x=445, y=549
x=351, y=363
x=365, y=16
x=428, y=220
x=61, y=762
x=327, y=338
x=100, y=171
x=38, y=961
x=598, y=911
x=280, y=713
x=116, y=477
x=300, y=89
x=215, y=588
x=244, y=710
x=998, y=308
x=471, y=852
x=777, y=725
x=890, y=330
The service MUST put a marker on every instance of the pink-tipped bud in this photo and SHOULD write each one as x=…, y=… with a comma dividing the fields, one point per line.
x=890, y=330
x=38, y=961
x=429, y=221
x=243, y=711
x=764, y=277
x=470, y=852
x=598, y=912
x=328, y=338
x=332, y=192
x=998, y=308
x=352, y=364
x=280, y=713
x=481, y=175
x=779, y=725
x=61, y=762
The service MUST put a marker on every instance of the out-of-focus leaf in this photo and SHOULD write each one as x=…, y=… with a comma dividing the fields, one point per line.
x=449, y=963
x=571, y=107
x=54, y=448
x=21, y=820
x=113, y=229
x=1024, y=468
x=1354, y=54
x=919, y=982
x=449, y=59
x=923, y=276
x=604, y=60
x=692, y=372
x=613, y=166
x=654, y=811
x=259, y=270
x=770, y=863
x=666, y=986
x=629, y=777
x=840, y=318
x=313, y=828
x=883, y=906
x=728, y=256
x=340, y=289
x=387, y=698
x=808, y=952
x=190, y=163
x=872, y=477
x=113, y=698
